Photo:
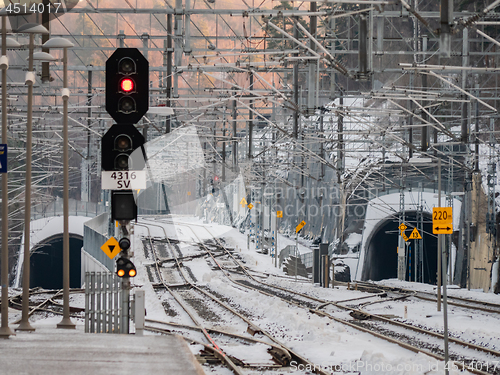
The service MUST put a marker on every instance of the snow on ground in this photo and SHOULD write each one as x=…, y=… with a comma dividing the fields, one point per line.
x=328, y=344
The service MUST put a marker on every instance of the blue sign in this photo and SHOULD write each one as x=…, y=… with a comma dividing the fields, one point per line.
x=3, y=158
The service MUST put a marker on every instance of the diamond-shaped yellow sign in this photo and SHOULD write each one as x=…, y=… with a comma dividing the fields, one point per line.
x=402, y=227
x=111, y=248
x=250, y=206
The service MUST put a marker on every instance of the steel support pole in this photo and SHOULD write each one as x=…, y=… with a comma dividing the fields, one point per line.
x=445, y=304
x=169, y=50
x=439, y=243
x=311, y=85
x=5, y=331
x=88, y=164
x=223, y=172
x=465, y=62
x=363, y=46
x=425, y=129
x=45, y=37
x=25, y=324
x=468, y=215
x=66, y=321
x=124, y=325
x=322, y=146
x=125, y=297
x=234, y=131
x=295, y=129
x=178, y=28
x=296, y=251
x=445, y=34
x=187, y=27
x=476, y=134
x=250, y=121
x=276, y=251
x=340, y=137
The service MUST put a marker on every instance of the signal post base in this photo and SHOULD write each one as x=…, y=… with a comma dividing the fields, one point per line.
x=66, y=324
x=25, y=326
x=5, y=332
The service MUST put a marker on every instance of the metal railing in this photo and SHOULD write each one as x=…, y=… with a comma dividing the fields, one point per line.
x=103, y=307
x=76, y=208
x=306, y=258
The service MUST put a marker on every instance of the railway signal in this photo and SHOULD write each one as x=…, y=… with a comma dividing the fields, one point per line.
x=125, y=268
x=127, y=85
x=123, y=206
x=122, y=148
x=127, y=100
x=118, y=145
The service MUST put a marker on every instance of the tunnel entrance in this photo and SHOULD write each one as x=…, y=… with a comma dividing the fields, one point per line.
x=381, y=258
x=46, y=263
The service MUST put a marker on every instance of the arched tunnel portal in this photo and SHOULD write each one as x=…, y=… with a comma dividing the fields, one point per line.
x=46, y=262
x=381, y=258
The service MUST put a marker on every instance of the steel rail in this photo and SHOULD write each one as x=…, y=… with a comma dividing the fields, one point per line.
x=492, y=307
x=284, y=355
x=252, y=327
x=220, y=354
x=376, y=317
x=209, y=348
x=41, y=306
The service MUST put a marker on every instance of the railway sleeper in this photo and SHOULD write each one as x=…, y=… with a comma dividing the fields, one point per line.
x=172, y=286
x=359, y=315
x=207, y=358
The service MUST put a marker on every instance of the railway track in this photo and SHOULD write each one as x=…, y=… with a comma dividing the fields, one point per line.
x=465, y=355
x=45, y=301
x=213, y=316
x=482, y=306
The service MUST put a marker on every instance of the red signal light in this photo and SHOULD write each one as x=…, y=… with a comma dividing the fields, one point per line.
x=127, y=85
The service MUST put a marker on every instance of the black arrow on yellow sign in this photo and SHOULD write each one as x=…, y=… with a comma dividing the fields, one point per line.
x=438, y=228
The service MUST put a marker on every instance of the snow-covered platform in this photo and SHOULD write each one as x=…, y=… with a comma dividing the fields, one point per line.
x=54, y=351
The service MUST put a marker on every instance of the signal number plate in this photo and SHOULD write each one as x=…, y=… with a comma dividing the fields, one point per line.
x=123, y=180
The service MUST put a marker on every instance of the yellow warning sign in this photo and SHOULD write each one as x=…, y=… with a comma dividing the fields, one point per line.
x=189, y=193
x=279, y=213
x=111, y=248
x=300, y=226
x=243, y=202
x=405, y=237
x=402, y=227
x=250, y=206
x=415, y=235
x=442, y=220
